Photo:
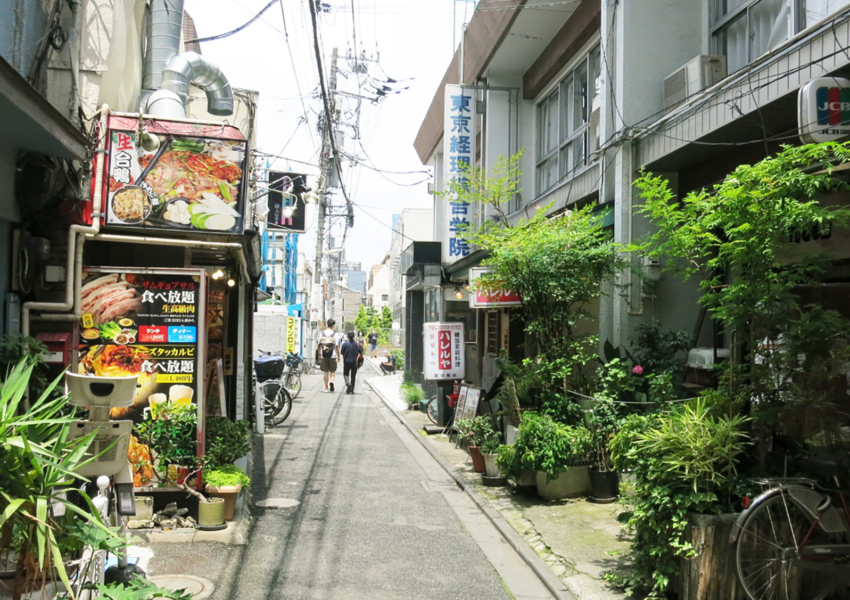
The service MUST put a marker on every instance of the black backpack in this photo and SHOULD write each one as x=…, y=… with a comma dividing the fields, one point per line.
x=327, y=346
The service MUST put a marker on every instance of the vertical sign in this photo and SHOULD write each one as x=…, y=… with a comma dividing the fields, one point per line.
x=287, y=211
x=146, y=324
x=458, y=157
x=444, y=356
x=293, y=335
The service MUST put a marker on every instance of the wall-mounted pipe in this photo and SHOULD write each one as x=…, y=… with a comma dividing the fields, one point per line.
x=76, y=241
x=166, y=26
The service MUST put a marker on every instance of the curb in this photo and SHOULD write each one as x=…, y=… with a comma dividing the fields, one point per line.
x=540, y=568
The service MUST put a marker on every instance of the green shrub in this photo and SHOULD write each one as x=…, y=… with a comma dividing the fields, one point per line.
x=477, y=431
x=227, y=441
x=399, y=358
x=684, y=461
x=412, y=393
x=226, y=475
x=507, y=461
x=545, y=445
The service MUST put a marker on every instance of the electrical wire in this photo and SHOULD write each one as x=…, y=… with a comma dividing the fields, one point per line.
x=221, y=36
x=294, y=71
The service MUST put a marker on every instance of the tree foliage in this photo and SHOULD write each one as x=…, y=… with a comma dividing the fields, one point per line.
x=742, y=240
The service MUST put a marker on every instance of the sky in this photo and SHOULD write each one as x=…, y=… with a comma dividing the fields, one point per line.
x=410, y=41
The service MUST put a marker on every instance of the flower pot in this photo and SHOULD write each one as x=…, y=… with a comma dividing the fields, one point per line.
x=477, y=459
x=211, y=513
x=526, y=479
x=490, y=465
x=575, y=481
x=604, y=485
x=144, y=508
x=229, y=493
x=510, y=434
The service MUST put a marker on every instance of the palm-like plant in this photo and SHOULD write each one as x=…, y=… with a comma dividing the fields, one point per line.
x=38, y=462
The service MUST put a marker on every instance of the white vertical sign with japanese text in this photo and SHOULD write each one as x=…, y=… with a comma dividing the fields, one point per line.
x=444, y=353
x=458, y=156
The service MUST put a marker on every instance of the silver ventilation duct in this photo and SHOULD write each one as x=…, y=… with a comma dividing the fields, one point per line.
x=171, y=74
x=166, y=25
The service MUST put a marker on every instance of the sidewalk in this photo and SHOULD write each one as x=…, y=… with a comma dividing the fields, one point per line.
x=579, y=541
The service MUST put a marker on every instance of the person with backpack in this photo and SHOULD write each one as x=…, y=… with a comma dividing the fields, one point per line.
x=351, y=353
x=327, y=354
x=373, y=343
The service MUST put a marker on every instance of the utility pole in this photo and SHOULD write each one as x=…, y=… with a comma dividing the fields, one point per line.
x=327, y=167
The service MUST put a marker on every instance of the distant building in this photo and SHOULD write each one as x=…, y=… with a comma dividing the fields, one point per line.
x=413, y=224
x=379, y=286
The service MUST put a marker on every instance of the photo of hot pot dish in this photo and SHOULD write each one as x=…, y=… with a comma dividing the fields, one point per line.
x=197, y=183
x=131, y=204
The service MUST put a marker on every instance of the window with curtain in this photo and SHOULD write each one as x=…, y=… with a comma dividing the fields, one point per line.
x=743, y=30
x=564, y=138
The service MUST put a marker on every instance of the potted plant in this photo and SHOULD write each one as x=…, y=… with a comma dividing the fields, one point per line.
x=227, y=482
x=169, y=433
x=210, y=510
x=490, y=450
x=604, y=421
x=37, y=462
x=226, y=441
x=558, y=453
x=476, y=432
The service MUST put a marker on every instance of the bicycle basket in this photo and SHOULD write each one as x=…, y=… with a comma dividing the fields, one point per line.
x=292, y=361
x=268, y=367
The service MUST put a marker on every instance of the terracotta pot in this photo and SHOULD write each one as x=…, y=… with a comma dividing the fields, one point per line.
x=478, y=463
x=229, y=493
x=575, y=481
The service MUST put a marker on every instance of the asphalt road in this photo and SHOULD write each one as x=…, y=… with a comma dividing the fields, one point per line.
x=373, y=516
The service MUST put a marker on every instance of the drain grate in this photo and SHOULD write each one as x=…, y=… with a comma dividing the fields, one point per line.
x=277, y=503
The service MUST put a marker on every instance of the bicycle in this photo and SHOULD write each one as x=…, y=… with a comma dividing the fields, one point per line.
x=277, y=400
x=292, y=375
x=792, y=543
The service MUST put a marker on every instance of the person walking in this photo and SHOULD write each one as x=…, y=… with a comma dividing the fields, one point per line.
x=351, y=352
x=327, y=355
x=373, y=343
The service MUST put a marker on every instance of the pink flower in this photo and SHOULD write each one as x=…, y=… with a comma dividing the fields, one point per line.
x=637, y=370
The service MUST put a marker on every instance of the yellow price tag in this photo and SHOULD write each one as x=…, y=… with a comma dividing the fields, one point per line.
x=169, y=378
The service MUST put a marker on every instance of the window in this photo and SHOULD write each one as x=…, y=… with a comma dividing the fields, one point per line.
x=743, y=30
x=564, y=138
x=385, y=297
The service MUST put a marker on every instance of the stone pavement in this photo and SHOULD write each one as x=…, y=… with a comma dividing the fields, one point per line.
x=579, y=540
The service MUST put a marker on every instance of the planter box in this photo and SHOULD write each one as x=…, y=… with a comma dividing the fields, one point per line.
x=144, y=508
x=230, y=493
x=527, y=479
x=573, y=482
x=711, y=574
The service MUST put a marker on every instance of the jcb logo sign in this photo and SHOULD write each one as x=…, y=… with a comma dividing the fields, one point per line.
x=824, y=110
x=833, y=105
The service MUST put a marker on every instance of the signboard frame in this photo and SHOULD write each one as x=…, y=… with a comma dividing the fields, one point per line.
x=281, y=184
x=436, y=353
x=499, y=299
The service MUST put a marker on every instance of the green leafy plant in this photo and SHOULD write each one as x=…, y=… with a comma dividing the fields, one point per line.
x=170, y=433
x=507, y=460
x=227, y=475
x=412, y=393
x=741, y=240
x=226, y=441
x=38, y=462
x=684, y=461
x=138, y=588
x=545, y=445
x=604, y=421
x=476, y=431
x=399, y=358
x=661, y=351
x=15, y=348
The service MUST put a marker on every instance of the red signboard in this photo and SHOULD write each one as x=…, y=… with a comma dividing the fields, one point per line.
x=490, y=296
x=153, y=334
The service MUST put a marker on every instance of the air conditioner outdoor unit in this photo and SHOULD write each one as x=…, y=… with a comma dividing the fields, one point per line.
x=696, y=75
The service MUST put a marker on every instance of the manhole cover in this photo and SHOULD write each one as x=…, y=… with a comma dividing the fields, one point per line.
x=277, y=503
x=197, y=586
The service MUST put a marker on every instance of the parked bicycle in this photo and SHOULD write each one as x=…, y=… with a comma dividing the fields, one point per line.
x=793, y=540
x=269, y=384
x=292, y=375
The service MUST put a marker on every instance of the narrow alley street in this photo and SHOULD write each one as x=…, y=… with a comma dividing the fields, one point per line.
x=365, y=512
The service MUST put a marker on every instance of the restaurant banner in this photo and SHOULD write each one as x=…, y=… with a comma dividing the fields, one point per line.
x=485, y=293
x=194, y=180
x=444, y=353
x=145, y=323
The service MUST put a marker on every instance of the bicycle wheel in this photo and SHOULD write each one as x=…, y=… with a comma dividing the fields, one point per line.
x=277, y=402
x=768, y=560
x=432, y=409
x=292, y=382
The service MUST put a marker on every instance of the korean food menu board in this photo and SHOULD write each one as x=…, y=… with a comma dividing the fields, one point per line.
x=144, y=324
x=188, y=182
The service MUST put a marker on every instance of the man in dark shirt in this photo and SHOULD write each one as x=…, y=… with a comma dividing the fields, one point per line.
x=388, y=366
x=350, y=352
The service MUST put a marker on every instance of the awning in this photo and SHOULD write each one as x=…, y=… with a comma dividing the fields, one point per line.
x=30, y=122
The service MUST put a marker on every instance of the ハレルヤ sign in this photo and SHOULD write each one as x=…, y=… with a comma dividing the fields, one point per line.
x=484, y=293
x=444, y=354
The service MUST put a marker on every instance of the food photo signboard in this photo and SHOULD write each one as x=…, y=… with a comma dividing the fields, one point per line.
x=193, y=180
x=145, y=323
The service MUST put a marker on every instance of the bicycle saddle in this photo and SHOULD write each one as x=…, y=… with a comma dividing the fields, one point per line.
x=827, y=464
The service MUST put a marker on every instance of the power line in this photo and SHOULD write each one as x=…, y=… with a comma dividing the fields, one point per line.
x=221, y=36
x=294, y=71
